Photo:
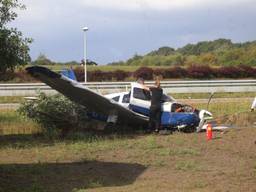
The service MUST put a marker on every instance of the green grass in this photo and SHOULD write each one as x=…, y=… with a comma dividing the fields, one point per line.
x=187, y=166
x=85, y=161
x=184, y=152
x=226, y=108
x=12, y=123
x=19, y=99
x=11, y=99
x=216, y=95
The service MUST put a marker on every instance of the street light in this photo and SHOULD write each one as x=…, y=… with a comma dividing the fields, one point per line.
x=85, y=29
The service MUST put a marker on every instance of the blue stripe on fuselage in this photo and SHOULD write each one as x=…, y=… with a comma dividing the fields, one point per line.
x=175, y=119
x=170, y=119
x=97, y=116
x=138, y=109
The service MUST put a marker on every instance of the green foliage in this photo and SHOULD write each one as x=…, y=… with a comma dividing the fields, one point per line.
x=42, y=60
x=13, y=47
x=164, y=51
x=206, y=46
x=220, y=52
x=57, y=114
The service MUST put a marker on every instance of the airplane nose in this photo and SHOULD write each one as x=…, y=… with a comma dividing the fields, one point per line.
x=206, y=115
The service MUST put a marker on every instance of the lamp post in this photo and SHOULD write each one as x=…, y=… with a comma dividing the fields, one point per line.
x=85, y=75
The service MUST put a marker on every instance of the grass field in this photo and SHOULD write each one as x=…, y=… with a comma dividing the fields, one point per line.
x=11, y=99
x=19, y=99
x=178, y=162
x=135, y=162
x=12, y=123
x=216, y=95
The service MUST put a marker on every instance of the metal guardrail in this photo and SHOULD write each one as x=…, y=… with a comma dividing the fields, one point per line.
x=31, y=89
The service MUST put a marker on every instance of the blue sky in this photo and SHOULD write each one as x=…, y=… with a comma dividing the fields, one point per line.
x=118, y=29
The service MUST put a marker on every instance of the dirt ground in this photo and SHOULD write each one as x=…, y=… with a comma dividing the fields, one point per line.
x=177, y=162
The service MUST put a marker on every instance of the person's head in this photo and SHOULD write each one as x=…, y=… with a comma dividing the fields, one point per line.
x=157, y=82
x=140, y=80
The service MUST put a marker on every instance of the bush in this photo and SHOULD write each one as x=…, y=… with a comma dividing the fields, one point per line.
x=7, y=76
x=229, y=72
x=176, y=72
x=144, y=72
x=200, y=72
x=120, y=75
x=96, y=75
x=247, y=71
x=22, y=76
x=79, y=72
x=99, y=75
x=159, y=72
x=57, y=114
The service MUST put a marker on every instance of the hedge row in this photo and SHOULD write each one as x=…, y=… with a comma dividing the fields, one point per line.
x=192, y=72
x=20, y=76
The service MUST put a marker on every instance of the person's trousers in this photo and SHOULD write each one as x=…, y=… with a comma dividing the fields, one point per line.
x=154, y=118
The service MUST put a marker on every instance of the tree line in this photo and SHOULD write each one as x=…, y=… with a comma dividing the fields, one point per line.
x=220, y=52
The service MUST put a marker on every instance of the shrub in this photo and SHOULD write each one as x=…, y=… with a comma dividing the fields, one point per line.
x=120, y=75
x=175, y=72
x=57, y=114
x=106, y=76
x=159, y=72
x=7, y=76
x=144, y=72
x=79, y=72
x=200, y=72
x=23, y=76
x=229, y=72
x=99, y=75
x=247, y=71
x=96, y=75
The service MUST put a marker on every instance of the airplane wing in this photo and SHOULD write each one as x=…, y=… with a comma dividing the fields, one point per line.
x=78, y=93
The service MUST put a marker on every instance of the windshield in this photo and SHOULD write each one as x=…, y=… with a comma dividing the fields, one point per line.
x=141, y=94
x=166, y=98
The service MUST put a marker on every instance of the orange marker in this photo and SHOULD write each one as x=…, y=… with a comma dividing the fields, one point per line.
x=209, y=131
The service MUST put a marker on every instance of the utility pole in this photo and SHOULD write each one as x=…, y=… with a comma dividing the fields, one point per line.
x=85, y=72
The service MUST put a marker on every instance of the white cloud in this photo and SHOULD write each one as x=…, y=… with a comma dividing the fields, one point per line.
x=120, y=28
x=158, y=4
x=45, y=10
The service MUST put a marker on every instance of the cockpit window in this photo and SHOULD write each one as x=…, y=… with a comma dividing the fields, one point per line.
x=141, y=94
x=166, y=98
x=116, y=98
x=126, y=98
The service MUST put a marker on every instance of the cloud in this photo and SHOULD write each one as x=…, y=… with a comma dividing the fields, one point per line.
x=158, y=5
x=118, y=29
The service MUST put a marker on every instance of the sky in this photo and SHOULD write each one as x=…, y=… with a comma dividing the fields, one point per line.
x=120, y=29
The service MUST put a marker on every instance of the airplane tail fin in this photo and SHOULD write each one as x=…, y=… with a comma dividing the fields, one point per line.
x=69, y=73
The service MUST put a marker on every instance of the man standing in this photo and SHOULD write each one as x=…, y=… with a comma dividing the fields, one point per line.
x=155, y=107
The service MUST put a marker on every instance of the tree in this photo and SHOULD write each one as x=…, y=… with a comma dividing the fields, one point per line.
x=42, y=60
x=14, y=49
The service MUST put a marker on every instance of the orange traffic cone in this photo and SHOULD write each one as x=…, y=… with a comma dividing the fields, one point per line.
x=209, y=131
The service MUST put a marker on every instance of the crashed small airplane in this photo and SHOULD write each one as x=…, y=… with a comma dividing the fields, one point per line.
x=127, y=108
